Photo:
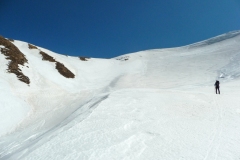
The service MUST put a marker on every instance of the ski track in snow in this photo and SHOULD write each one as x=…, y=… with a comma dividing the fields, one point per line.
x=217, y=134
x=158, y=104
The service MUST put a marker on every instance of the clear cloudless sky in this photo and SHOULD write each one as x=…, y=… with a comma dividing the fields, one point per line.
x=109, y=28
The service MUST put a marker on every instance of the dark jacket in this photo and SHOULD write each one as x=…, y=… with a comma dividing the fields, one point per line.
x=217, y=84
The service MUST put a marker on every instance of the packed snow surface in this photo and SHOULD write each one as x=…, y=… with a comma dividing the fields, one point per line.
x=151, y=105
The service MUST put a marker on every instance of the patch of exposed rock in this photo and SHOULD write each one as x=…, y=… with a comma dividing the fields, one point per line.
x=59, y=66
x=16, y=57
x=64, y=71
x=30, y=46
x=84, y=58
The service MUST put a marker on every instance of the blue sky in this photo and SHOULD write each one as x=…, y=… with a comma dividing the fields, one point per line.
x=108, y=28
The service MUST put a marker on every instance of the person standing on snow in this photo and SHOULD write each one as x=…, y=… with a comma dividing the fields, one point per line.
x=217, y=83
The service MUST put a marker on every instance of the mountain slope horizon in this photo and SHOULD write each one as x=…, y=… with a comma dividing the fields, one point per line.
x=142, y=105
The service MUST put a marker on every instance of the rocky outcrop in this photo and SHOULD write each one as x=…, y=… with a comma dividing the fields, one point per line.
x=16, y=57
x=64, y=71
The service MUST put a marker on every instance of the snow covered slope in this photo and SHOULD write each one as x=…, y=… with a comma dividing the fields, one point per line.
x=154, y=104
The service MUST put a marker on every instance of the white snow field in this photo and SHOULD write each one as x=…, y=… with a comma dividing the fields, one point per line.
x=151, y=105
